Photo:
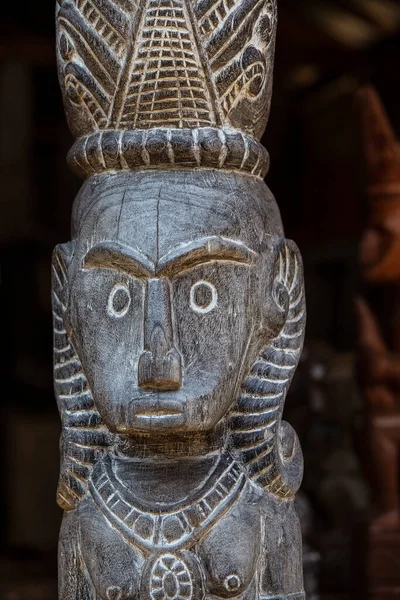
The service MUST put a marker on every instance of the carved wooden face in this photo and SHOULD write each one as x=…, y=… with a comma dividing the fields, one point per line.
x=170, y=318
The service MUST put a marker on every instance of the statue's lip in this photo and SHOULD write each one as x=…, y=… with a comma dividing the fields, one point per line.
x=153, y=406
x=158, y=412
x=151, y=420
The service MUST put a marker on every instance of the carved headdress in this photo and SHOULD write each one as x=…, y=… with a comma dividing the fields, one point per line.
x=166, y=83
x=175, y=84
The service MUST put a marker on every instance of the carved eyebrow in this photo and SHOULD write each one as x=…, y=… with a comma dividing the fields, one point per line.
x=111, y=255
x=203, y=251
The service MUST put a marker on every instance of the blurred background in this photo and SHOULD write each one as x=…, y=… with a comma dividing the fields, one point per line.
x=326, y=50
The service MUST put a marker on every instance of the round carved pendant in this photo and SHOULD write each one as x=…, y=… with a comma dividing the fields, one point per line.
x=172, y=576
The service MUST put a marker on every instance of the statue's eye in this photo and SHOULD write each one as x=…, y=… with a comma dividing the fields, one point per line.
x=203, y=297
x=118, y=301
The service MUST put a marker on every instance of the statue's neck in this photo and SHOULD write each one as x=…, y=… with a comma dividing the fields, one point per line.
x=167, y=469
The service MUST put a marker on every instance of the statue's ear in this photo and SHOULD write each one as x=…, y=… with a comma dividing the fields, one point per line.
x=268, y=446
x=288, y=276
x=63, y=253
x=61, y=260
x=282, y=278
x=83, y=435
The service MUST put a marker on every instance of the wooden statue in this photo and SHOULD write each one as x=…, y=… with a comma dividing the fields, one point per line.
x=178, y=309
x=379, y=342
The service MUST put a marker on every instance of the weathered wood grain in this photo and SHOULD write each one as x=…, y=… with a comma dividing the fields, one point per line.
x=179, y=309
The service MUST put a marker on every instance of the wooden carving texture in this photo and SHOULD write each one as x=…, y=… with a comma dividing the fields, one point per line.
x=179, y=309
x=379, y=340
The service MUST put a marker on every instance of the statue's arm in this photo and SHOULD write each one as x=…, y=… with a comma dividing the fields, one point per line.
x=282, y=568
x=73, y=579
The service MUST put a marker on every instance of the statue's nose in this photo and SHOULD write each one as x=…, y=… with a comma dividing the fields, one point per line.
x=160, y=365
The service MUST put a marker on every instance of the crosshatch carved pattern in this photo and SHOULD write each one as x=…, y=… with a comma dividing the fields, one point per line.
x=167, y=85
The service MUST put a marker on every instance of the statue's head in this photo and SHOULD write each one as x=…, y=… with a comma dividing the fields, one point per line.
x=183, y=307
x=173, y=293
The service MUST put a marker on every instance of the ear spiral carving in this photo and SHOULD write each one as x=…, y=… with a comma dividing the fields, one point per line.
x=83, y=435
x=268, y=446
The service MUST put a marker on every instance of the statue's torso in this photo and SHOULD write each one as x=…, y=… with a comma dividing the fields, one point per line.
x=210, y=547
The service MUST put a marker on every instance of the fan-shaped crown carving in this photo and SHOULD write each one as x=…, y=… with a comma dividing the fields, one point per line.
x=167, y=64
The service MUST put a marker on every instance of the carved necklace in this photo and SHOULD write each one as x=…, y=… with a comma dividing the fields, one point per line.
x=171, y=528
x=171, y=572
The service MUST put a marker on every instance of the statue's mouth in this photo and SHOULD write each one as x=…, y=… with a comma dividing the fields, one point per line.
x=157, y=411
x=154, y=409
